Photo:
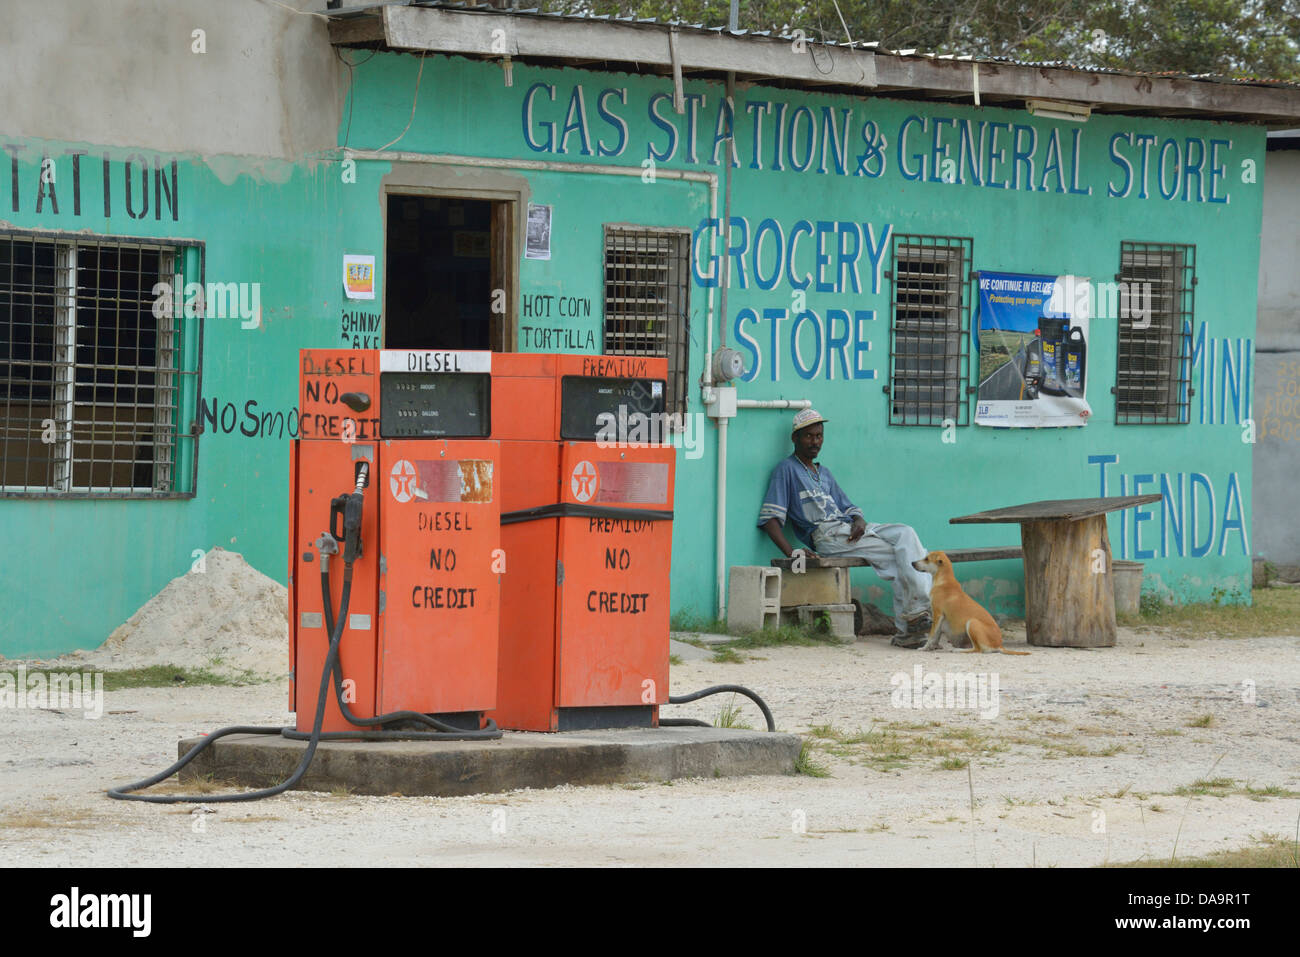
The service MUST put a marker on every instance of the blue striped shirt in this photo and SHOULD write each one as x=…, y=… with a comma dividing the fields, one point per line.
x=794, y=494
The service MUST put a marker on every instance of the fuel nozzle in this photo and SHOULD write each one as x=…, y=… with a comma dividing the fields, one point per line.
x=348, y=508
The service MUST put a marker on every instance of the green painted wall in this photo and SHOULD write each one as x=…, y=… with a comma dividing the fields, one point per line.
x=76, y=569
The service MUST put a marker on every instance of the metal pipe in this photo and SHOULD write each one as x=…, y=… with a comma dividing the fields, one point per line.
x=721, y=551
x=774, y=403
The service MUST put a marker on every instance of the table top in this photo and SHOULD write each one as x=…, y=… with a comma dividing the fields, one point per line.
x=1066, y=509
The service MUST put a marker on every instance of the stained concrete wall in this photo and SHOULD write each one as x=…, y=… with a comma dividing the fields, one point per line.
x=125, y=74
x=1277, y=376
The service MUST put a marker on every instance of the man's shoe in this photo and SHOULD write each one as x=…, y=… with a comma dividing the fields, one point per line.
x=917, y=634
x=908, y=641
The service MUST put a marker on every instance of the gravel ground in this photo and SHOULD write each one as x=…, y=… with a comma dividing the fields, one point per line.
x=1079, y=767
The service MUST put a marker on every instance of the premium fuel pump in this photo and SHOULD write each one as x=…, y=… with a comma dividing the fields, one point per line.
x=586, y=527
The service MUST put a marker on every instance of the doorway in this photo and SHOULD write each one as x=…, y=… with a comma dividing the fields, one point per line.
x=446, y=273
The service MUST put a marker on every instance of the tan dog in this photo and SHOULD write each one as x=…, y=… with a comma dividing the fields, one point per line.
x=954, y=612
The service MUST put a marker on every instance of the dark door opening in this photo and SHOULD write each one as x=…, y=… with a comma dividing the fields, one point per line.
x=445, y=264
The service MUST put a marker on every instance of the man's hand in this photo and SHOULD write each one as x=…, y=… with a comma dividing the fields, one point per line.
x=859, y=528
x=773, y=529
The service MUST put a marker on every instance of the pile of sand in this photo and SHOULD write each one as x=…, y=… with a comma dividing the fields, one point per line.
x=226, y=616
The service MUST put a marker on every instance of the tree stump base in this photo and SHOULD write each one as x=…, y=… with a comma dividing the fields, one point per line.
x=1069, y=594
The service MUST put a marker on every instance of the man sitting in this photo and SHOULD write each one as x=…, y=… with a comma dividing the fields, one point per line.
x=806, y=494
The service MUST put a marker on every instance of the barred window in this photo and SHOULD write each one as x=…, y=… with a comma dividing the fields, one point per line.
x=647, y=283
x=94, y=387
x=1153, y=368
x=929, y=341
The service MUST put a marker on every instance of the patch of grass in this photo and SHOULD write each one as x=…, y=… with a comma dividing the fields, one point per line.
x=1218, y=787
x=726, y=655
x=897, y=744
x=168, y=676
x=953, y=764
x=784, y=635
x=1224, y=787
x=674, y=659
x=1203, y=721
x=689, y=621
x=1269, y=850
x=198, y=784
x=1272, y=611
x=729, y=717
x=1272, y=790
x=1167, y=733
x=53, y=818
x=808, y=763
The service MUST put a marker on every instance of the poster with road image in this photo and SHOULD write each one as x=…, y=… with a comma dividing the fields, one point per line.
x=1032, y=343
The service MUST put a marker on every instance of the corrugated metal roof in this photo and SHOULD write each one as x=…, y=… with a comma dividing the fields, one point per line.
x=873, y=46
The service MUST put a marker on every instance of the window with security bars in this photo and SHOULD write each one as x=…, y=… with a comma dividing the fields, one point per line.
x=94, y=385
x=928, y=333
x=647, y=281
x=1153, y=366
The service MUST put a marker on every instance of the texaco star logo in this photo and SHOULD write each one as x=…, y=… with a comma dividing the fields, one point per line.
x=584, y=481
x=402, y=480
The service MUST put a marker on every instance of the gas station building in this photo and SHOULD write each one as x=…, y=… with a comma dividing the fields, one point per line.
x=199, y=200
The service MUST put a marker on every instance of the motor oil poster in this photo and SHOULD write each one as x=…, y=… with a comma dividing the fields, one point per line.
x=1032, y=341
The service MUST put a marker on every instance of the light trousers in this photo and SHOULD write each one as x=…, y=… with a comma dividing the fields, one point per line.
x=890, y=550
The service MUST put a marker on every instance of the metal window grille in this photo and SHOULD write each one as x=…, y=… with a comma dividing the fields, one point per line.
x=647, y=285
x=929, y=342
x=91, y=381
x=1153, y=368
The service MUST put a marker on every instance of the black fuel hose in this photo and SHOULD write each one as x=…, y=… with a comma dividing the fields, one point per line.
x=331, y=660
x=716, y=689
x=333, y=667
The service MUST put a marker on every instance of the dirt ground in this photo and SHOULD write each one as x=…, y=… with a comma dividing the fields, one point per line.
x=1088, y=760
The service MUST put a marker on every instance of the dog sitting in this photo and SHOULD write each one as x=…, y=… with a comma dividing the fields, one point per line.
x=954, y=612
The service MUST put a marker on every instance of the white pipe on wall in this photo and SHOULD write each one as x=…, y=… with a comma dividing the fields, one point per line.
x=774, y=403
x=721, y=553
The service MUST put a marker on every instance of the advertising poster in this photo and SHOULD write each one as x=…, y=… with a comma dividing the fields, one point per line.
x=1032, y=342
x=538, y=244
x=359, y=276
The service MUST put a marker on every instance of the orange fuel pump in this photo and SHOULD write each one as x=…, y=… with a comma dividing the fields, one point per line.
x=586, y=527
x=421, y=632
x=519, y=502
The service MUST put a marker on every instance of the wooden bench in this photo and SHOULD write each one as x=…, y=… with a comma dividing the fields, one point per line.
x=825, y=580
x=955, y=555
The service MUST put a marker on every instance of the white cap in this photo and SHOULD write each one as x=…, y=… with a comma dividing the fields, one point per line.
x=806, y=417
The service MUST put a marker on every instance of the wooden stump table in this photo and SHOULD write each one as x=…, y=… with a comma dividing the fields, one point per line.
x=1069, y=592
